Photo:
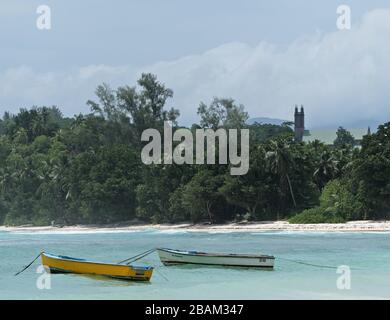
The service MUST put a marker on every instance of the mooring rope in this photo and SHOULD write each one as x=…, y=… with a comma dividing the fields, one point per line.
x=150, y=251
x=130, y=260
x=138, y=256
x=28, y=266
x=161, y=274
x=309, y=264
x=142, y=255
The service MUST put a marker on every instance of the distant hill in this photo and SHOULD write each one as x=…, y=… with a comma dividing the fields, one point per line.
x=360, y=124
x=263, y=120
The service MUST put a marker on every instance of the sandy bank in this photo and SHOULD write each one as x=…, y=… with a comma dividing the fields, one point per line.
x=353, y=226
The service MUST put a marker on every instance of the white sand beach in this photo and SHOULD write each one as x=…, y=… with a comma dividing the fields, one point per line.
x=352, y=226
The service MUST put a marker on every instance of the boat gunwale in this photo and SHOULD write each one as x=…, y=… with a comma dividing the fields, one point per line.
x=219, y=255
x=70, y=259
x=172, y=263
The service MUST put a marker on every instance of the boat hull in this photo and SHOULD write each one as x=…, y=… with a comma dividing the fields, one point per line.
x=176, y=257
x=61, y=264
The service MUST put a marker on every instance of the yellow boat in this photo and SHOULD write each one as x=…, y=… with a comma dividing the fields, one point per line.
x=63, y=264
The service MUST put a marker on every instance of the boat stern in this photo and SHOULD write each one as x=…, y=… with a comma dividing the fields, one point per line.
x=140, y=273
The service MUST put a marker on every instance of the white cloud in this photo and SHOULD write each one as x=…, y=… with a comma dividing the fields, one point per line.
x=22, y=87
x=342, y=75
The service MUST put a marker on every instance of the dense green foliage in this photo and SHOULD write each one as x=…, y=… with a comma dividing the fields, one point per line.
x=344, y=138
x=88, y=169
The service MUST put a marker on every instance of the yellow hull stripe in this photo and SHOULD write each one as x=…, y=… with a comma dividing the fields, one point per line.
x=104, y=269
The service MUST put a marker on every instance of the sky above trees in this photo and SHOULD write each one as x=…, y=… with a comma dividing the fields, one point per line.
x=267, y=55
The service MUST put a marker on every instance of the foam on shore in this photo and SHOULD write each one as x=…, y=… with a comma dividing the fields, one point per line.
x=256, y=227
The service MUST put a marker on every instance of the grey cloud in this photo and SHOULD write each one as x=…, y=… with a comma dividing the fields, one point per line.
x=340, y=77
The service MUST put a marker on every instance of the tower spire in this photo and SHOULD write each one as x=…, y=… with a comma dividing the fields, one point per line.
x=299, y=123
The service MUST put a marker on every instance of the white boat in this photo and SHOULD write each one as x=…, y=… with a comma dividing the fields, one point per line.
x=174, y=257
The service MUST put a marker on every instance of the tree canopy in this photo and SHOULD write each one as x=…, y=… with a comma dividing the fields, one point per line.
x=88, y=168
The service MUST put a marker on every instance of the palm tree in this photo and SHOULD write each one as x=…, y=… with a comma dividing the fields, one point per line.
x=326, y=168
x=316, y=145
x=280, y=162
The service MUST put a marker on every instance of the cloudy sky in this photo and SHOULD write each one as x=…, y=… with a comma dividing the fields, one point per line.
x=267, y=55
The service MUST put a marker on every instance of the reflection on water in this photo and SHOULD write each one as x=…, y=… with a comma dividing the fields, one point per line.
x=109, y=281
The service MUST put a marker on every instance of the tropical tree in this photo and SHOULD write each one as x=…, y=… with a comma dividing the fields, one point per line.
x=281, y=163
x=252, y=191
x=222, y=112
x=371, y=173
x=344, y=139
x=325, y=168
x=201, y=195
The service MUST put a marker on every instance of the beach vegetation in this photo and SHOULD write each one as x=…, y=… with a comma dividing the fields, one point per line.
x=87, y=169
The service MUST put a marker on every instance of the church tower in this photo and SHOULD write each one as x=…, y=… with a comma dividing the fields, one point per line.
x=299, y=123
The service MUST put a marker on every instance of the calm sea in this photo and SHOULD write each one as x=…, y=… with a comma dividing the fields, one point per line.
x=367, y=255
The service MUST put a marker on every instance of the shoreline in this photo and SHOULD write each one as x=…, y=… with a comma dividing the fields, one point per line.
x=352, y=226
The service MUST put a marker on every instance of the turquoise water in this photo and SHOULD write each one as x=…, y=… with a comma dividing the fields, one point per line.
x=368, y=255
